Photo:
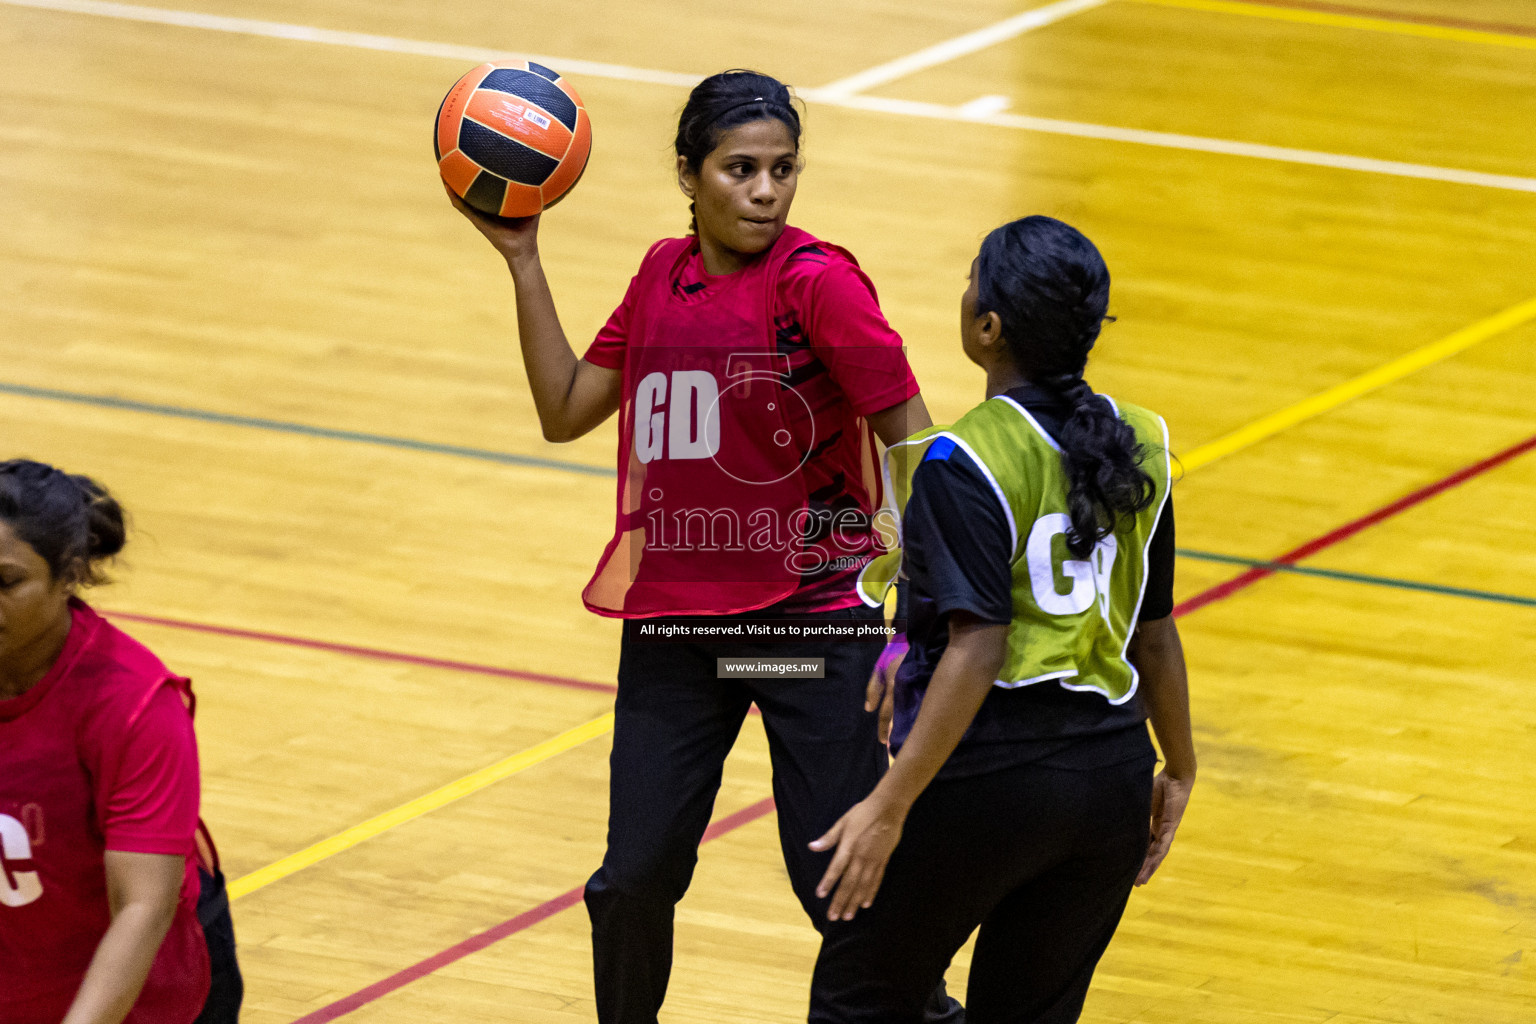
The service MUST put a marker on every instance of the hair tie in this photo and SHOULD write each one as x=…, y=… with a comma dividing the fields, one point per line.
x=748, y=103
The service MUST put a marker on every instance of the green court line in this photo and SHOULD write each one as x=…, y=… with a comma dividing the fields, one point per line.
x=384, y=440
x=1359, y=577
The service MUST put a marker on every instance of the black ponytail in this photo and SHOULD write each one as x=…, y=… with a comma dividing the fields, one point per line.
x=725, y=101
x=70, y=521
x=1050, y=288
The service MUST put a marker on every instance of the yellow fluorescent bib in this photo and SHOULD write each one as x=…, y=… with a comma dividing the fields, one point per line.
x=1072, y=618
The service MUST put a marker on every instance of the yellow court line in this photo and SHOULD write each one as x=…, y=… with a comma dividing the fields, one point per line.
x=1242, y=438
x=456, y=790
x=1359, y=21
x=1336, y=396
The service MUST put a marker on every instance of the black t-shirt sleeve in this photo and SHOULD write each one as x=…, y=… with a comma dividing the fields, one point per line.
x=958, y=548
x=1158, y=600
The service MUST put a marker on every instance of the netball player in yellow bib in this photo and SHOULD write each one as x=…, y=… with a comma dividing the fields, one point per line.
x=1038, y=539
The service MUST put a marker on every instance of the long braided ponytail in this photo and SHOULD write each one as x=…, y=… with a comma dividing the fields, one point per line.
x=1050, y=288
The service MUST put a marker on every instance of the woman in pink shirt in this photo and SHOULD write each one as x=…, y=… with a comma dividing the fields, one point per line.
x=99, y=849
x=752, y=370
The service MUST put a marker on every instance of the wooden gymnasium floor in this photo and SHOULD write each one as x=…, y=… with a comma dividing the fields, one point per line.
x=233, y=291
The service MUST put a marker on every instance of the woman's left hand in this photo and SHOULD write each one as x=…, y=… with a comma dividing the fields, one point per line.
x=1170, y=796
x=864, y=838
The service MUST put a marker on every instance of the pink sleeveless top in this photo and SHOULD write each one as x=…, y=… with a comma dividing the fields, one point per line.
x=712, y=507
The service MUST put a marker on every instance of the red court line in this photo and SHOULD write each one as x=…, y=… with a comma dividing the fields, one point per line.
x=367, y=652
x=1420, y=19
x=475, y=943
x=376, y=654
x=1327, y=540
x=569, y=899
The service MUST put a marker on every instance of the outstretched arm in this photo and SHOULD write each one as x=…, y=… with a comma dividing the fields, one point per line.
x=868, y=833
x=572, y=396
x=1158, y=655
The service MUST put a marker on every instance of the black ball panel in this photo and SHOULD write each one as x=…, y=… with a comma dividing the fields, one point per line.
x=506, y=157
x=534, y=89
x=486, y=193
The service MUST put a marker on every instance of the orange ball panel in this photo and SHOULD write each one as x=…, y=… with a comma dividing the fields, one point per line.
x=573, y=163
x=521, y=201
x=565, y=87
x=458, y=171
x=453, y=107
x=529, y=124
x=516, y=119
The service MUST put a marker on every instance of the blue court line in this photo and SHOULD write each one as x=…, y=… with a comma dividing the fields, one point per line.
x=384, y=440
x=1358, y=577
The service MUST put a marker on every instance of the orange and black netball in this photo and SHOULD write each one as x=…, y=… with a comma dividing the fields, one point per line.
x=512, y=138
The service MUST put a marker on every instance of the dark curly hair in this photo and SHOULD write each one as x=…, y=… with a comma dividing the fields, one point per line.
x=70, y=521
x=1050, y=288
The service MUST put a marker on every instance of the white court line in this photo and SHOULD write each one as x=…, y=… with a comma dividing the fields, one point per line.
x=984, y=105
x=1197, y=143
x=873, y=104
x=357, y=40
x=951, y=49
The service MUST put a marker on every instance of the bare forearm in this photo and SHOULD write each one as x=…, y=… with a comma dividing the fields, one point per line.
x=960, y=684
x=900, y=421
x=1158, y=656
x=122, y=962
x=571, y=396
x=550, y=361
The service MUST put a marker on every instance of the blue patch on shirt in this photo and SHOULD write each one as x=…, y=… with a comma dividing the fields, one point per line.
x=939, y=449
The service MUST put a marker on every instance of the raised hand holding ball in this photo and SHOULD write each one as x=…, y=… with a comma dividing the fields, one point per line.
x=512, y=138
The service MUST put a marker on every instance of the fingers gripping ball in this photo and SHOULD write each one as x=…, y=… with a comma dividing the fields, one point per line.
x=512, y=138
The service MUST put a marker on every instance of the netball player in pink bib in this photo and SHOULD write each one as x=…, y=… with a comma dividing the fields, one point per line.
x=99, y=851
x=752, y=369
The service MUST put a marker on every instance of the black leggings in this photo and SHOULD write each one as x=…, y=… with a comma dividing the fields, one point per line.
x=1040, y=859
x=226, y=988
x=675, y=723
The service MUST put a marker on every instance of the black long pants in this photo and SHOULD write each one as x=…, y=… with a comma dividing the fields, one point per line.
x=1042, y=860
x=226, y=988
x=674, y=724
